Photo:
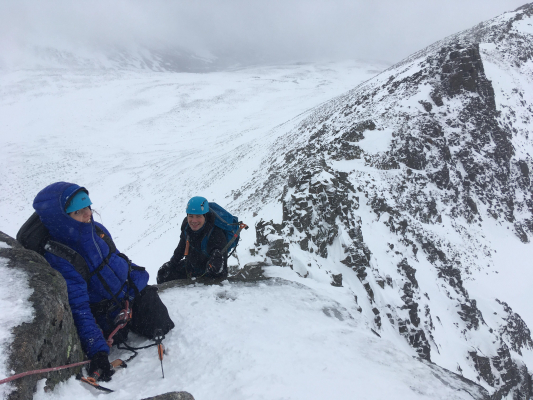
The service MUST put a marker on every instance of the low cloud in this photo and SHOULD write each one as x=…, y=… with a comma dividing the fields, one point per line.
x=243, y=30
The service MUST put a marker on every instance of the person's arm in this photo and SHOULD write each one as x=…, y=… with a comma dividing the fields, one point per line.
x=179, y=252
x=139, y=276
x=91, y=337
x=167, y=271
x=217, y=264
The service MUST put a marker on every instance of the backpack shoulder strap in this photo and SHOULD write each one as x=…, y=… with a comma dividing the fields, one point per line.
x=100, y=232
x=205, y=240
x=71, y=256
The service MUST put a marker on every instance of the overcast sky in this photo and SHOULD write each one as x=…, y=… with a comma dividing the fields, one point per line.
x=266, y=30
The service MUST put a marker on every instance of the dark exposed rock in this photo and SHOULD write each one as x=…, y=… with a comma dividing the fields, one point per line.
x=336, y=280
x=172, y=396
x=409, y=272
x=472, y=204
x=524, y=168
x=437, y=98
x=463, y=70
x=427, y=105
x=483, y=366
x=470, y=314
x=51, y=339
x=251, y=272
x=516, y=332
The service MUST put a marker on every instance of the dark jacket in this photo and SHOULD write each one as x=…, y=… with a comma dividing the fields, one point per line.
x=82, y=237
x=196, y=262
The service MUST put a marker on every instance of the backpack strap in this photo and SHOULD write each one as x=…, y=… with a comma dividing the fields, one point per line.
x=203, y=246
x=205, y=240
x=100, y=232
x=73, y=257
x=80, y=265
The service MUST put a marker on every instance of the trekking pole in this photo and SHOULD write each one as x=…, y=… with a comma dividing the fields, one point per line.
x=158, y=337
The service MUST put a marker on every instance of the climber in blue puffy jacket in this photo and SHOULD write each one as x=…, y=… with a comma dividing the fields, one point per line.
x=65, y=210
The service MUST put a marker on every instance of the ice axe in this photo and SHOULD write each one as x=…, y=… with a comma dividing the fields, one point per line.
x=158, y=338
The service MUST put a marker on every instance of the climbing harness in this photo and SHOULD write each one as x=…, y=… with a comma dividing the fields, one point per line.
x=121, y=320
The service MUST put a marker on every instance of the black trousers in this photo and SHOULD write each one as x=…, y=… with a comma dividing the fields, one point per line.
x=166, y=273
x=148, y=315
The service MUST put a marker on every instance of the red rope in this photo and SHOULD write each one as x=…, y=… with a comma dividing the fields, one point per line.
x=126, y=317
x=40, y=371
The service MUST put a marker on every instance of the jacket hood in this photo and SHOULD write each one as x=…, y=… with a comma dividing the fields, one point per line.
x=50, y=204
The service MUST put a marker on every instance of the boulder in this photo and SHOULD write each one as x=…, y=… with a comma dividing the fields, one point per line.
x=172, y=396
x=51, y=338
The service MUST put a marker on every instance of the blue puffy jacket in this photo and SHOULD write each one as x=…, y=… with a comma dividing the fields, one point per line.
x=82, y=237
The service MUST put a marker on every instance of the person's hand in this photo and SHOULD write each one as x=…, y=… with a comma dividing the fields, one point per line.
x=99, y=368
x=163, y=273
x=216, y=262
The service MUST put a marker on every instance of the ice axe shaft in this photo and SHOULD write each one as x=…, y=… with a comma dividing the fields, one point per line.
x=158, y=338
x=235, y=236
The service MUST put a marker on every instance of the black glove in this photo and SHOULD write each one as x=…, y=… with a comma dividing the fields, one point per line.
x=163, y=273
x=100, y=368
x=216, y=262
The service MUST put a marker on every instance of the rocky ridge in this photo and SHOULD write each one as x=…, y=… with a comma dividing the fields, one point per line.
x=426, y=153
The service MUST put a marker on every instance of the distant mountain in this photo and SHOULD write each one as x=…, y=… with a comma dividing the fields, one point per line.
x=114, y=58
x=404, y=180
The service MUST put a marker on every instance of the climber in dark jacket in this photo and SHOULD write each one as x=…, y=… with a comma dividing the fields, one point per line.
x=65, y=210
x=201, y=243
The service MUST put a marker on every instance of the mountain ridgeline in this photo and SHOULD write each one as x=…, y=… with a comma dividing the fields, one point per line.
x=400, y=178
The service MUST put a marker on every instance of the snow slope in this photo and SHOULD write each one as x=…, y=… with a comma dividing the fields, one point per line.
x=273, y=340
x=413, y=190
x=143, y=143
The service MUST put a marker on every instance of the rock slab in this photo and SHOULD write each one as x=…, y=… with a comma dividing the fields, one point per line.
x=172, y=396
x=51, y=339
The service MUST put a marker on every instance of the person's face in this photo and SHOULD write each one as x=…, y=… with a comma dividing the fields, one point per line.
x=83, y=215
x=195, y=221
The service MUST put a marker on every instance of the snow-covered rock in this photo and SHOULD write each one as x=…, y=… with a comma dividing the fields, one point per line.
x=37, y=330
x=406, y=182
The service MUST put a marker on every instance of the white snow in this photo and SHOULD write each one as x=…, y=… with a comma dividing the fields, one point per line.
x=376, y=141
x=273, y=340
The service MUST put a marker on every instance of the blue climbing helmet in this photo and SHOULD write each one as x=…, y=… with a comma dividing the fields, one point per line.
x=79, y=200
x=197, y=205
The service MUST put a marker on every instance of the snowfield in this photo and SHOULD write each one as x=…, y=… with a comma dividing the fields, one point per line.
x=278, y=339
